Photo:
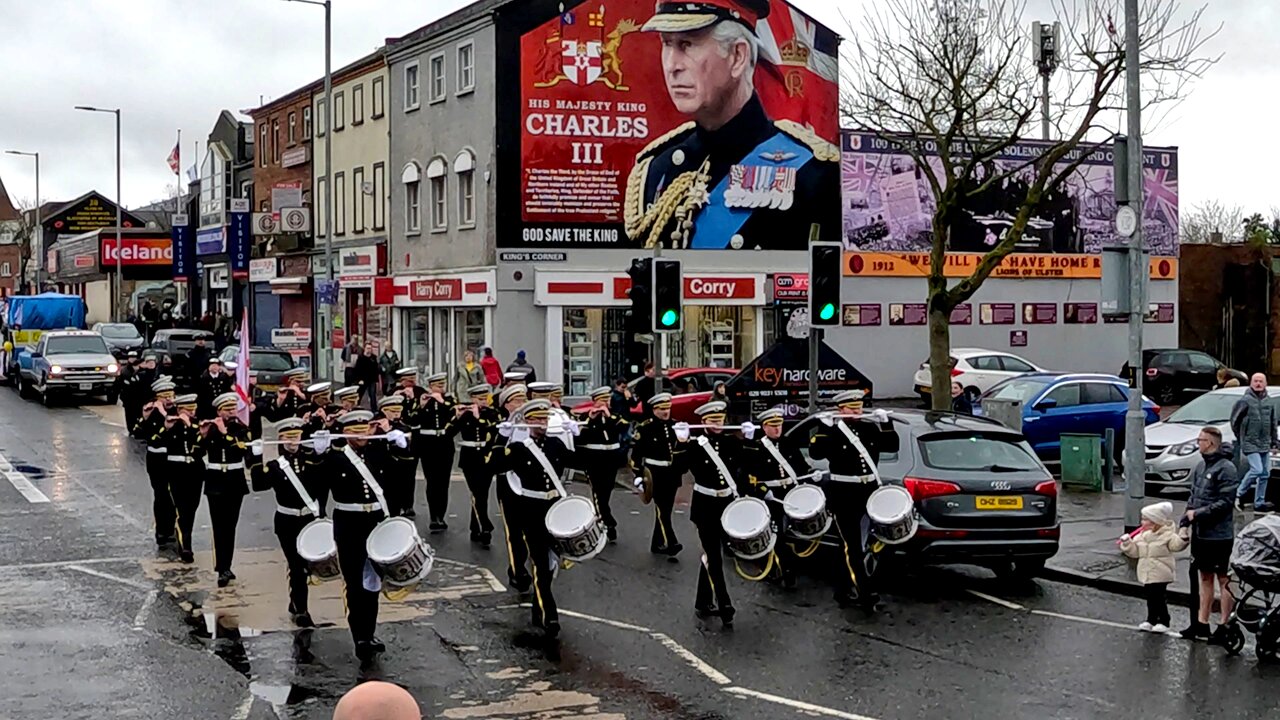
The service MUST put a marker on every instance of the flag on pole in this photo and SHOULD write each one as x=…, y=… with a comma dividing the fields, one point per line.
x=242, y=370
x=173, y=159
x=192, y=174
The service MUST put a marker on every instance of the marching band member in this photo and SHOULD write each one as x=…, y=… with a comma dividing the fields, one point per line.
x=513, y=377
x=552, y=393
x=435, y=448
x=210, y=385
x=412, y=394
x=290, y=400
x=534, y=466
x=301, y=497
x=401, y=465
x=512, y=398
x=600, y=454
x=134, y=387
x=714, y=459
x=774, y=465
x=223, y=441
x=653, y=454
x=150, y=423
x=184, y=454
x=849, y=441
x=347, y=398
x=476, y=425
x=318, y=412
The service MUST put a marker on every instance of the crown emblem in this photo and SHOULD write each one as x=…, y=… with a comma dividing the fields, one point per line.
x=794, y=52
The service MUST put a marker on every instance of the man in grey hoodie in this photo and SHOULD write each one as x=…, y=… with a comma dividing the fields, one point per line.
x=1254, y=420
x=1211, y=517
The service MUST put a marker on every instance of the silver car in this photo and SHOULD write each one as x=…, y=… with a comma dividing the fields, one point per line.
x=1171, y=444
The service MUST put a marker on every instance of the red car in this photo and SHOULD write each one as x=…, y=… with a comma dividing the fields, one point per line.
x=690, y=387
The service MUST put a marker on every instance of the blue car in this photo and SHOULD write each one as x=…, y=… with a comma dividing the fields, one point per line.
x=1076, y=403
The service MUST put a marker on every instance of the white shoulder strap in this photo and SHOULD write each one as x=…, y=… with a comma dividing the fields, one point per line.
x=719, y=463
x=358, y=463
x=853, y=438
x=296, y=482
x=541, y=457
x=773, y=450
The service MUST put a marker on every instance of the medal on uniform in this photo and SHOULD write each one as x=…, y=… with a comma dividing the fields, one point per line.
x=760, y=186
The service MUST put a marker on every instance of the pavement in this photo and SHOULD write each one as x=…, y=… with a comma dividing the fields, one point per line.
x=94, y=622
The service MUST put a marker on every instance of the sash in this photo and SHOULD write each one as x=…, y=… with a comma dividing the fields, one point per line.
x=851, y=437
x=786, y=466
x=541, y=457
x=363, y=469
x=716, y=223
x=715, y=460
x=283, y=463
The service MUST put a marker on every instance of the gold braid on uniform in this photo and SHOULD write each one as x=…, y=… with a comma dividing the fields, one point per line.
x=636, y=218
x=661, y=212
x=822, y=150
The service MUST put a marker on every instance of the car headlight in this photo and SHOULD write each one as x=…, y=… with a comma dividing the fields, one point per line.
x=113, y=368
x=1184, y=449
x=55, y=370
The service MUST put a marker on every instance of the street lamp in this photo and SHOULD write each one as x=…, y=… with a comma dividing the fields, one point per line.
x=38, y=240
x=323, y=354
x=118, y=315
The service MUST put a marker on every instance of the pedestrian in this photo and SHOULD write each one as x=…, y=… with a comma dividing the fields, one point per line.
x=467, y=375
x=522, y=365
x=720, y=393
x=197, y=360
x=368, y=375
x=492, y=368
x=960, y=402
x=621, y=401
x=388, y=364
x=1221, y=378
x=646, y=387
x=1210, y=517
x=1154, y=545
x=350, y=354
x=377, y=700
x=1254, y=421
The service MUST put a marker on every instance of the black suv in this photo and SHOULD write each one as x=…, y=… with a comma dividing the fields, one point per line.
x=1175, y=374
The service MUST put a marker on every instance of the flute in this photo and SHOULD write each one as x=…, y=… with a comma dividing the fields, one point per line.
x=312, y=441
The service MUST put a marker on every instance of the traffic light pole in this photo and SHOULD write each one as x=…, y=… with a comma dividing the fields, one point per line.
x=659, y=339
x=815, y=333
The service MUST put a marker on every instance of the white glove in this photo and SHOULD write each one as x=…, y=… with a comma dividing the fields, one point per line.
x=748, y=430
x=573, y=427
x=768, y=495
x=505, y=429
x=828, y=420
x=880, y=416
x=398, y=437
x=320, y=441
x=255, y=447
x=638, y=482
x=682, y=431
x=1124, y=538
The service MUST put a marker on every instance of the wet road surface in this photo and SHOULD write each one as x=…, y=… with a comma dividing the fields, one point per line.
x=95, y=623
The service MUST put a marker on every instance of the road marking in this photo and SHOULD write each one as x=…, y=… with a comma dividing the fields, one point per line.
x=109, y=576
x=603, y=621
x=1091, y=621
x=21, y=483
x=68, y=563
x=140, y=620
x=494, y=583
x=694, y=661
x=797, y=704
x=242, y=710
x=996, y=600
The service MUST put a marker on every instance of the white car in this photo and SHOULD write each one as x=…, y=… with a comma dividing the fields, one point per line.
x=1172, y=453
x=976, y=369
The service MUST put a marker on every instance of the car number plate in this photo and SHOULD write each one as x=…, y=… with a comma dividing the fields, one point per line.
x=998, y=502
x=86, y=386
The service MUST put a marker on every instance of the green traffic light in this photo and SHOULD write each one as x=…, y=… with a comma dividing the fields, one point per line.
x=827, y=312
x=669, y=318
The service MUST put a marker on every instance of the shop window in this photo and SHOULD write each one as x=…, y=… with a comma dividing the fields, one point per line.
x=594, y=348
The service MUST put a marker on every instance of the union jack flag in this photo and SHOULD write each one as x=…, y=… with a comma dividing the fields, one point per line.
x=859, y=173
x=1160, y=190
x=173, y=159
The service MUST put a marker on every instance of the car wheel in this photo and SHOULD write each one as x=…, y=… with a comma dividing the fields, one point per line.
x=46, y=396
x=24, y=388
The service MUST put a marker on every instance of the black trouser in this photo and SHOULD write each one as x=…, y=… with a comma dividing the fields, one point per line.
x=287, y=528
x=436, y=452
x=848, y=503
x=224, y=515
x=478, y=481
x=602, y=474
x=370, y=389
x=1194, y=576
x=401, y=484
x=665, y=484
x=1157, y=603
x=517, y=552
x=351, y=533
x=713, y=591
x=162, y=502
x=185, y=484
x=533, y=527
x=783, y=551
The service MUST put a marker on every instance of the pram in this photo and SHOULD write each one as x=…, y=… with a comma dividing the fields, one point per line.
x=1255, y=561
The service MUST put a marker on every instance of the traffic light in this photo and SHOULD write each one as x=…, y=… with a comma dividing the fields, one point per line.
x=668, y=296
x=824, y=284
x=640, y=316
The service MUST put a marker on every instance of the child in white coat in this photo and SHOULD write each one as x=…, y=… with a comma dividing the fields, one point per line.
x=1154, y=545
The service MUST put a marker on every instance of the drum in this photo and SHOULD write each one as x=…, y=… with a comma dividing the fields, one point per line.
x=806, y=509
x=892, y=513
x=317, y=549
x=748, y=528
x=399, y=553
x=577, y=533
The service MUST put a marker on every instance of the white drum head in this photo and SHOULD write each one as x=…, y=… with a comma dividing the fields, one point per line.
x=315, y=542
x=745, y=518
x=570, y=516
x=391, y=539
x=804, y=502
x=889, y=504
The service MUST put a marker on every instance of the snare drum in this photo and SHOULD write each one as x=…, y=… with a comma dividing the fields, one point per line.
x=748, y=528
x=892, y=513
x=806, y=509
x=399, y=553
x=577, y=533
x=316, y=547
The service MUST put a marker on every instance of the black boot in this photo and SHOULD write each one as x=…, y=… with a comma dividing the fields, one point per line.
x=705, y=613
x=612, y=533
x=224, y=578
x=726, y=615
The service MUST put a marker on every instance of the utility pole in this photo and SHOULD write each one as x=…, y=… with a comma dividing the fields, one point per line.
x=1044, y=51
x=118, y=313
x=1135, y=417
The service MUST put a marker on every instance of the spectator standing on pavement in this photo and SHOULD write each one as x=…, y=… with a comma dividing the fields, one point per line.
x=467, y=375
x=350, y=354
x=368, y=375
x=1254, y=420
x=646, y=387
x=377, y=700
x=1211, y=520
x=1154, y=545
x=960, y=402
x=388, y=364
x=522, y=365
x=492, y=368
x=621, y=401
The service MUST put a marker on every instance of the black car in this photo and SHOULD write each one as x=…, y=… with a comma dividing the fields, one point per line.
x=171, y=347
x=981, y=495
x=267, y=366
x=1171, y=375
x=120, y=337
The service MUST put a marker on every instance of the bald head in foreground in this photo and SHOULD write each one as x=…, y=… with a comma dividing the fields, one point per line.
x=375, y=700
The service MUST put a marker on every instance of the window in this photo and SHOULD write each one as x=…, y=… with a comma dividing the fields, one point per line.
x=246, y=191
x=436, y=88
x=275, y=141
x=321, y=228
x=412, y=197
x=339, y=204
x=293, y=128
x=436, y=174
x=985, y=362
x=955, y=451
x=5, y=271
x=264, y=206
x=323, y=118
x=1013, y=364
x=306, y=123
x=262, y=145
x=1178, y=361
x=339, y=112
x=466, y=67
x=379, y=196
x=1101, y=394
x=378, y=98
x=465, y=166
x=1065, y=395
x=411, y=100
x=357, y=200
x=357, y=105
x=1203, y=363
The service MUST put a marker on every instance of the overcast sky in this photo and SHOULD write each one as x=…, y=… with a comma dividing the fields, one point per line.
x=173, y=64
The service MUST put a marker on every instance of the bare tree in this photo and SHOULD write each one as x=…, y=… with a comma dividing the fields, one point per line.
x=952, y=84
x=1212, y=222
x=24, y=234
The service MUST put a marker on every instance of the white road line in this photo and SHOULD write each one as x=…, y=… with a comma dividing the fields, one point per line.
x=1091, y=621
x=494, y=583
x=113, y=578
x=21, y=483
x=67, y=563
x=996, y=600
x=242, y=710
x=797, y=704
x=694, y=661
x=606, y=621
x=140, y=620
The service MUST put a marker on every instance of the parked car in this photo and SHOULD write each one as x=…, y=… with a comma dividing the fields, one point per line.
x=1057, y=403
x=68, y=362
x=982, y=495
x=171, y=347
x=977, y=370
x=690, y=387
x=1174, y=374
x=267, y=366
x=120, y=337
x=1172, y=453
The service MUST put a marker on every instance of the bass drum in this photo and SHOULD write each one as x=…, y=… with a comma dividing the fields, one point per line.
x=748, y=528
x=399, y=554
x=576, y=531
x=318, y=550
x=892, y=512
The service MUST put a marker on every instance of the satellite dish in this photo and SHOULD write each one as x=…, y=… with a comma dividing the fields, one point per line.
x=366, y=187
